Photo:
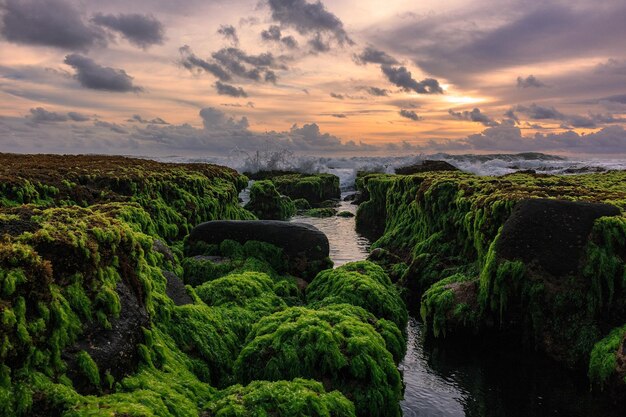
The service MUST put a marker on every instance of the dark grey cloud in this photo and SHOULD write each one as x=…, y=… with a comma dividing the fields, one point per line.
x=371, y=55
x=230, y=33
x=318, y=44
x=405, y=104
x=378, y=92
x=308, y=18
x=539, y=112
x=409, y=114
x=55, y=23
x=529, y=82
x=475, y=115
x=620, y=98
x=139, y=119
x=41, y=115
x=78, y=117
x=92, y=75
x=190, y=61
x=139, y=29
x=253, y=67
x=274, y=34
x=402, y=78
x=229, y=90
x=337, y=96
x=114, y=127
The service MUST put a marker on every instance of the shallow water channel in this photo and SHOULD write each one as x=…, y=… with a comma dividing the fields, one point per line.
x=454, y=381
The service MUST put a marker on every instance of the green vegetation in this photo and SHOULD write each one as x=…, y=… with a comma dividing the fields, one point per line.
x=267, y=203
x=315, y=188
x=346, y=353
x=604, y=357
x=299, y=397
x=440, y=230
x=362, y=284
x=345, y=213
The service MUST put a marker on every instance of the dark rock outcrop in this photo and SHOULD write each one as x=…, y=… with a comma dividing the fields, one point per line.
x=426, y=166
x=552, y=233
x=175, y=289
x=305, y=247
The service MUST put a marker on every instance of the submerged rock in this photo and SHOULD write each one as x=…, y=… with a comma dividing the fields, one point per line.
x=305, y=247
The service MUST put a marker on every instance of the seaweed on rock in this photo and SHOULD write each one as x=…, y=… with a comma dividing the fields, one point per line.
x=330, y=346
x=296, y=398
x=267, y=203
x=362, y=284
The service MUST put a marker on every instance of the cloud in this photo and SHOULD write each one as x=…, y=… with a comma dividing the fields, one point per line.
x=620, y=98
x=41, y=115
x=78, y=117
x=538, y=112
x=607, y=141
x=229, y=90
x=229, y=32
x=92, y=75
x=409, y=114
x=474, y=116
x=157, y=120
x=339, y=115
x=114, y=127
x=378, y=92
x=371, y=55
x=140, y=30
x=55, y=23
x=402, y=78
x=318, y=44
x=253, y=67
x=337, y=96
x=530, y=81
x=190, y=61
x=308, y=18
x=274, y=34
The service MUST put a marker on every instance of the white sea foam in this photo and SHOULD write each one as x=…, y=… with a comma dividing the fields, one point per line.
x=346, y=168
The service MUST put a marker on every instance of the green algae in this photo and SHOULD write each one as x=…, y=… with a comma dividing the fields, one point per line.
x=603, y=358
x=320, y=212
x=267, y=203
x=324, y=345
x=362, y=284
x=299, y=397
x=314, y=188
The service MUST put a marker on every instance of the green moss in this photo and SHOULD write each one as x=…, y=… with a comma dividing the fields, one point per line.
x=299, y=397
x=301, y=204
x=320, y=212
x=267, y=203
x=603, y=358
x=88, y=367
x=345, y=213
x=314, y=188
x=352, y=284
x=324, y=345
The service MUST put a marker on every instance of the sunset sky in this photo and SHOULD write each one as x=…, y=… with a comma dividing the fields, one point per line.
x=340, y=77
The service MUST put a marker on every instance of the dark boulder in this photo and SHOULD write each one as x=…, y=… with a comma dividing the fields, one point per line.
x=552, y=233
x=426, y=166
x=175, y=289
x=305, y=247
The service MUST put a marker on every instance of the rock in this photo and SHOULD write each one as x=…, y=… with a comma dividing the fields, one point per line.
x=552, y=233
x=426, y=166
x=345, y=213
x=350, y=197
x=175, y=289
x=115, y=350
x=267, y=203
x=160, y=247
x=305, y=246
x=320, y=212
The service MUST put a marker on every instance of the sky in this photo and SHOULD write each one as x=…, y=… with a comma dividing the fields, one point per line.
x=332, y=77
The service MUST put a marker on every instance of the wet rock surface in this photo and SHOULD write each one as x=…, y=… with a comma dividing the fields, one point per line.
x=175, y=289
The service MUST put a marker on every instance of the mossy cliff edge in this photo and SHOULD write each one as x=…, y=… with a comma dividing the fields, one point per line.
x=517, y=256
x=94, y=319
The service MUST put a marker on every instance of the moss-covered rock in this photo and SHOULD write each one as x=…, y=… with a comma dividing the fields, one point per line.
x=267, y=203
x=345, y=213
x=330, y=346
x=295, y=398
x=314, y=188
x=361, y=284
